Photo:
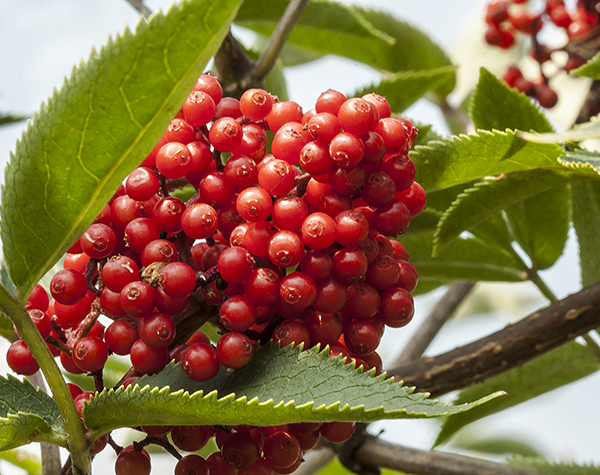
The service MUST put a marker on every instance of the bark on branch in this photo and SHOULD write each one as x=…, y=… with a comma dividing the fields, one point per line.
x=542, y=331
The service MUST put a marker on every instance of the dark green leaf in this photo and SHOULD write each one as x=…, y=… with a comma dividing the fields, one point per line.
x=278, y=386
x=586, y=221
x=541, y=225
x=591, y=69
x=26, y=414
x=463, y=158
x=543, y=466
x=371, y=37
x=465, y=258
x=405, y=88
x=97, y=128
x=495, y=106
x=11, y=118
x=552, y=370
x=487, y=197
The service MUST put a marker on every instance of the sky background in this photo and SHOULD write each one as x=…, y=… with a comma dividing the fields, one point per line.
x=41, y=40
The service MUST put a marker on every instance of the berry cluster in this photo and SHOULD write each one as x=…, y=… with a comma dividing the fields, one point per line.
x=296, y=245
x=505, y=20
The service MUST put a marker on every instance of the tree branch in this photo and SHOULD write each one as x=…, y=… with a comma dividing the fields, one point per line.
x=440, y=314
x=542, y=331
x=379, y=453
x=140, y=7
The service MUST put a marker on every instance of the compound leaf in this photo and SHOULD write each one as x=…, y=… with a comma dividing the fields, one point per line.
x=495, y=106
x=464, y=158
x=405, y=88
x=101, y=124
x=26, y=414
x=279, y=385
x=552, y=370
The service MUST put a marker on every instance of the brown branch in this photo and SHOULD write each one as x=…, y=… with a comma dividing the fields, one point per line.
x=379, y=453
x=140, y=7
x=538, y=333
x=440, y=314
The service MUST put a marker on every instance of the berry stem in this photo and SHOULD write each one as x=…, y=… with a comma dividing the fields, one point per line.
x=75, y=439
x=269, y=56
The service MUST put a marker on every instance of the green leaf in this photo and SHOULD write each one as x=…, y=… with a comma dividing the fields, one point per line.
x=489, y=196
x=579, y=132
x=405, y=88
x=582, y=161
x=591, y=69
x=26, y=414
x=278, y=386
x=552, y=370
x=540, y=465
x=540, y=225
x=25, y=461
x=11, y=118
x=371, y=37
x=465, y=258
x=586, y=221
x=495, y=106
x=463, y=158
x=101, y=124
x=473, y=440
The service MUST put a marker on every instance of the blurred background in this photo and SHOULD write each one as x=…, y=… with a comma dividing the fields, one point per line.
x=42, y=40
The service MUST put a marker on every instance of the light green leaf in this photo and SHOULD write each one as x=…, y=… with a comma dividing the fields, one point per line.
x=24, y=460
x=101, y=124
x=586, y=221
x=474, y=441
x=552, y=370
x=591, y=69
x=464, y=158
x=465, y=258
x=405, y=88
x=579, y=132
x=489, y=196
x=26, y=414
x=550, y=468
x=582, y=161
x=495, y=106
x=278, y=386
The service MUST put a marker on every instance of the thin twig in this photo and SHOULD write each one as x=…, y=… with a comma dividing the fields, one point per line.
x=378, y=453
x=140, y=7
x=440, y=314
x=284, y=27
x=538, y=333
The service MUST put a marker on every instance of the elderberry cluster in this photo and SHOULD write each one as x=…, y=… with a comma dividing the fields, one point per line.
x=505, y=19
x=295, y=246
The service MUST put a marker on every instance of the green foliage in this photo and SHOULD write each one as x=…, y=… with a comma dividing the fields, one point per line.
x=494, y=106
x=278, y=386
x=473, y=440
x=579, y=133
x=25, y=461
x=591, y=69
x=26, y=414
x=72, y=153
x=463, y=158
x=543, y=466
x=11, y=118
x=552, y=370
x=586, y=221
x=405, y=88
x=336, y=468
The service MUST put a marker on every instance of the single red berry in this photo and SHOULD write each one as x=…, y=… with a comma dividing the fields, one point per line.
x=199, y=362
x=90, y=353
x=234, y=350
